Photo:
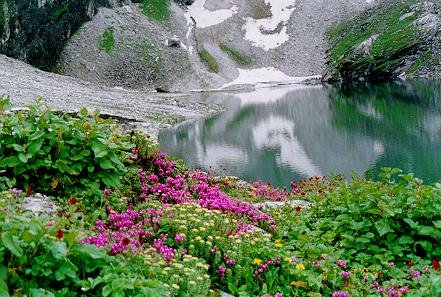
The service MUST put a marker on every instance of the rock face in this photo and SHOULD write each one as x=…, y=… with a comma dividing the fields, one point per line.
x=35, y=31
x=396, y=38
x=121, y=47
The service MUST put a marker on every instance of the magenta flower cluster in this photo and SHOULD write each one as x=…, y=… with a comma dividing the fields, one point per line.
x=170, y=187
x=275, y=295
x=393, y=291
x=265, y=191
x=221, y=271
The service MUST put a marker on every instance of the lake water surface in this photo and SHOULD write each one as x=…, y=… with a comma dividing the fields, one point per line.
x=282, y=134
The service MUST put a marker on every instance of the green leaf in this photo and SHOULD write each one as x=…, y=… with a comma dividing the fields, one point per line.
x=4, y=292
x=58, y=249
x=107, y=290
x=35, y=146
x=405, y=240
x=437, y=224
x=111, y=180
x=84, y=112
x=106, y=164
x=101, y=154
x=233, y=288
x=88, y=251
x=68, y=269
x=22, y=157
x=41, y=293
x=411, y=223
x=11, y=245
x=10, y=161
x=426, y=245
x=18, y=147
x=383, y=227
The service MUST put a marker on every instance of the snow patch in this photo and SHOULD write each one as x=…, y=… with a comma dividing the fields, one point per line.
x=270, y=33
x=259, y=75
x=206, y=18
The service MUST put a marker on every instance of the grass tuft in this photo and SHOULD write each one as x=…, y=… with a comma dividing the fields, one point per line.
x=209, y=60
x=238, y=56
x=158, y=10
x=107, y=42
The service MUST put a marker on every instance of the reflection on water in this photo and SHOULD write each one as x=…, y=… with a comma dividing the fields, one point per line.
x=284, y=134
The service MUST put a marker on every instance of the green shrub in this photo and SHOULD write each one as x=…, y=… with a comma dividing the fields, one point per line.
x=208, y=59
x=156, y=9
x=238, y=56
x=41, y=150
x=398, y=220
x=107, y=42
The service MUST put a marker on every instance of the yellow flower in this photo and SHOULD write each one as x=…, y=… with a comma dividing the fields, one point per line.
x=278, y=244
x=300, y=266
x=287, y=259
x=257, y=261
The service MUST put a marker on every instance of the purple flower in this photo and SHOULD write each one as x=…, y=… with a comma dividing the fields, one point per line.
x=342, y=263
x=345, y=274
x=179, y=238
x=221, y=271
x=16, y=191
x=404, y=290
x=107, y=192
x=340, y=294
x=415, y=274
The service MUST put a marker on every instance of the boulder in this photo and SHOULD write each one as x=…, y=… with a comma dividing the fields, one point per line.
x=173, y=42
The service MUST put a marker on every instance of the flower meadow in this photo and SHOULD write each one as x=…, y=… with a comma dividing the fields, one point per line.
x=158, y=228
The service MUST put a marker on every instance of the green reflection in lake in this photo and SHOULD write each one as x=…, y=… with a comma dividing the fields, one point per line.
x=284, y=134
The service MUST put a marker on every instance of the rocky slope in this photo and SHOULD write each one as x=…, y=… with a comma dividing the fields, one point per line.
x=149, y=112
x=394, y=39
x=220, y=43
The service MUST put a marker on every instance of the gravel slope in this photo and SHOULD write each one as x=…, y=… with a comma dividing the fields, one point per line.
x=149, y=111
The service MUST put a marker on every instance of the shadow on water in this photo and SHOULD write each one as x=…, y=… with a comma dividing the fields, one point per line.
x=284, y=134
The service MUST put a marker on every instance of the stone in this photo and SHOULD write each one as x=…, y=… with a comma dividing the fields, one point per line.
x=173, y=42
x=39, y=203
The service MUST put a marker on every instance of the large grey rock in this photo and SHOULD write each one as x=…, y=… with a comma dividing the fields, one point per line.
x=39, y=203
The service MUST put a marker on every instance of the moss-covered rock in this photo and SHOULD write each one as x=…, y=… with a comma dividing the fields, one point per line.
x=384, y=42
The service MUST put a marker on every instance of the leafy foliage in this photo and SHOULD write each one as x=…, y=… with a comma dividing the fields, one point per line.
x=44, y=151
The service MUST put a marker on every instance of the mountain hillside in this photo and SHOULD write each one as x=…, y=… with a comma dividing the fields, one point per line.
x=398, y=38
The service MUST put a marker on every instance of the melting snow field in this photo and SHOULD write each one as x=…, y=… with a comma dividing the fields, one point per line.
x=264, y=76
x=206, y=18
x=271, y=32
x=259, y=75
